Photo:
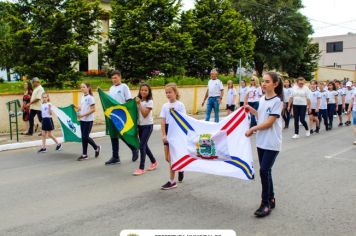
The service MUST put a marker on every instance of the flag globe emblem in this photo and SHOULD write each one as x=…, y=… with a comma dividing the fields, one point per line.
x=119, y=118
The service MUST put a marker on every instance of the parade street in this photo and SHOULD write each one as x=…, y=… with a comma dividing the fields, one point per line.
x=53, y=194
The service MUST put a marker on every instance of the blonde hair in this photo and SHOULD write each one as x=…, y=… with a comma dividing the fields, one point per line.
x=230, y=82
x=173, y=86
x=257, y=80
x=43, y=94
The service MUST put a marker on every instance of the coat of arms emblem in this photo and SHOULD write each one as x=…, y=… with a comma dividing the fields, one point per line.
x=206, y=147
x=71, y=126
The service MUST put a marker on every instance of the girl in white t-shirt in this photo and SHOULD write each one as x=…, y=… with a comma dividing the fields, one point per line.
x=47, y=124
x=231, y=97
x=332, y=103
x=252, y=97
x=144, y=102
x=86, y=116
x=352, y=107
x=287, y=92
x=242, y=92
x=173, y=96
x=268, y=137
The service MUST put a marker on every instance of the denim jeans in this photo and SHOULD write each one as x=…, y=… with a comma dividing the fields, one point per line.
x=331, y=112
x=213, y=103
x=323, y=114
x=266, y=159
x=85, y=128
x=299, y=112
x=254, y=105
x=144, y=133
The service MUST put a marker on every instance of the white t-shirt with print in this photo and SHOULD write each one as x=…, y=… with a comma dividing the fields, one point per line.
x=254, y=94
x=271, y=138
x=120, y=93
x=314, y=97
x=148, y=120
x=331, y=96
x=242, y=93
x=165, y=112
x=323, y=100
x=45, y=110
x=300, y=95
x=85, y=103
x=287, y=92
x=230, y=96
x=348, y=94
x=340, y=93
x=214, y=88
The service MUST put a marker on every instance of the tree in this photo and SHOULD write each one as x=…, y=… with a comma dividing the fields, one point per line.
x=52, y=35
x=309, y=62
x=281, y=30
x=221, y=36
x=145, y=37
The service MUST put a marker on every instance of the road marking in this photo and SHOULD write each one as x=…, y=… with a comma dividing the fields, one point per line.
x=338, y=153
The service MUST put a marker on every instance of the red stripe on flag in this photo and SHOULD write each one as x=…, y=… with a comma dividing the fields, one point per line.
x=233, y=119
x=180, y=161
x=237, y=123
x=184, y=164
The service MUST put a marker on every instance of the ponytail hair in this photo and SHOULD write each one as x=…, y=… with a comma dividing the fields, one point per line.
x=89, y=87
x=277, y=79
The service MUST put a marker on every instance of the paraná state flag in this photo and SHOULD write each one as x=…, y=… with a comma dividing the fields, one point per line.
x=70, y=125
x=121, y=119
x=215, y=148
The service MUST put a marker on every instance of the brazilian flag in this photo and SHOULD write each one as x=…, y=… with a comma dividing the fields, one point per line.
x=121, y=119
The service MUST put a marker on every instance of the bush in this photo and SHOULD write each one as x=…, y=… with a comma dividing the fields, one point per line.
x=2, y=80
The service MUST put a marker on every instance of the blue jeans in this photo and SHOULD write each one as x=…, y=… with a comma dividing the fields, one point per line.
x=323, y=114
x=331, y=111
x=254, y=105
x=144, y=132
x=266, y=159
x=213, y=103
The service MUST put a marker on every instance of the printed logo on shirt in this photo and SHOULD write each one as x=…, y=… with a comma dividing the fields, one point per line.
x=269, y=110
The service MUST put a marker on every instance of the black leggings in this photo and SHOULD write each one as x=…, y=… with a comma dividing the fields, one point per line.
x=323, y=114
x=299, y=112
x=286, y=115
x=144, y=133
x=85, y=128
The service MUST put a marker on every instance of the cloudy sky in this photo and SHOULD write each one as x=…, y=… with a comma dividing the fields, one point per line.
x=328, y=17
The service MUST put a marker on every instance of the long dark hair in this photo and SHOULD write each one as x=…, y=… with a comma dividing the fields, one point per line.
x=149, y=96
x=29, y=87
x=290, y=83
x=333, y=84
x=277, y=79
x=89, y=87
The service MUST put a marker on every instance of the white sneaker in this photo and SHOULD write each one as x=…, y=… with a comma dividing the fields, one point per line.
x=295, y=136
x=307, y=133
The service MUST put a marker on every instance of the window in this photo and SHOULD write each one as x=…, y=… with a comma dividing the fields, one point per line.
x=335, y=46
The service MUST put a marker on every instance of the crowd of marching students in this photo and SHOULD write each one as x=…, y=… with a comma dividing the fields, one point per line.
x=267, y=105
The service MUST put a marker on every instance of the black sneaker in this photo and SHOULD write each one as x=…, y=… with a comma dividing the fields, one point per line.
x=263, y=211
x=317, y=130
x=272, y=203
x=112, y=161
x=347, y=123
x=97, y=151
x=134, y=155
x=311, y=131
x=340, y=124
x=59, y=147
x=169, y=185
x=82, y=158
x=42, y=150
x=180, y=176
x=28, y=134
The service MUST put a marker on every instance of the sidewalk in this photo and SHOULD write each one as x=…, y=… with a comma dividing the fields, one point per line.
x=35, y=140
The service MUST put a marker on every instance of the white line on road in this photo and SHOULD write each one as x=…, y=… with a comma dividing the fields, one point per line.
x=338, y=153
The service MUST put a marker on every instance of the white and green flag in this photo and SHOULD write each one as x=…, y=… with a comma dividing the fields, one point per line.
x=70, y=125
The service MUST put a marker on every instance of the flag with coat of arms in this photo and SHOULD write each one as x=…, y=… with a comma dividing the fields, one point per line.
x=214, y=148
x=121, y=119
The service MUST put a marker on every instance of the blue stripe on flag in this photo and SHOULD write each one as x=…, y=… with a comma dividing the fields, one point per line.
x=242, y=165
x=182, y=123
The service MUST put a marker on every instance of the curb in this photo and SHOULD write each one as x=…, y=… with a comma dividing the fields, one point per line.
x=37, y=143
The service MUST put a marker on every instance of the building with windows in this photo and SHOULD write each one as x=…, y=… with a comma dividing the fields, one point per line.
x=338, y=51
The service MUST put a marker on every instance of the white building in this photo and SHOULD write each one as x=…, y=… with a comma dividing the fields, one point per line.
x=337, y=51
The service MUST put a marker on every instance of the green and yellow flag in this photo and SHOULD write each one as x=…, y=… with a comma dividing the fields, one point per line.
x=121, y=119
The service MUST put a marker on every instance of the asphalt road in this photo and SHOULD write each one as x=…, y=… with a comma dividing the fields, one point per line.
x=52, y=194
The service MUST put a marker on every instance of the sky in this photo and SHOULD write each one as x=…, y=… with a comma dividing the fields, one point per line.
x=328, y=17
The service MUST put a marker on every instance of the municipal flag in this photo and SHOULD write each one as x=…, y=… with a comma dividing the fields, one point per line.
x=214, y=148
x=70, y=125
x=121, y=119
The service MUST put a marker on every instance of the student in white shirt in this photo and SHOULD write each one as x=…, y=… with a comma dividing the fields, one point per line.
x=47, y=124
x=352, y=107
x=214, y=94
x=268, y=137
x=144, y=102
x=287, y=91
x=332, y=101
x=242, y=92
x=323, y=108
x=121, y=93
x=35, y=104
x=348, y=95
x=230, y=97
x=301, y=105
x=86, y=116
x=252, y=97
x=341, y=101
x=315, y=97
x=173, y=96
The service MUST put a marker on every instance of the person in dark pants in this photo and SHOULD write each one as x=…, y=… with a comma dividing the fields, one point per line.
x=145, y=127
x=35, y=104
x=323, y=111
x=121, y=93
x=287, y=91
x=86, y=116
x=268, y=137
x=300, y=98
x=332, y=103
x=252, y=98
